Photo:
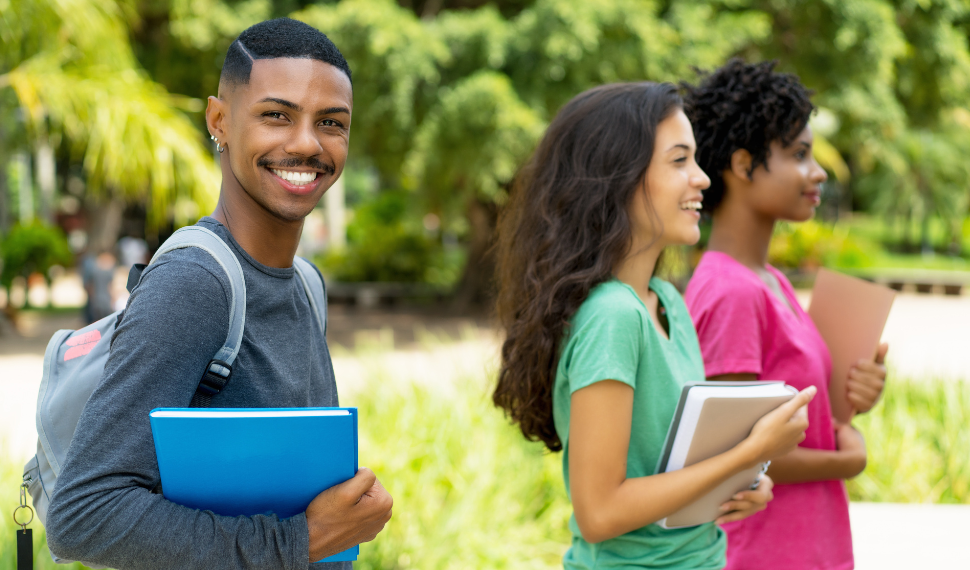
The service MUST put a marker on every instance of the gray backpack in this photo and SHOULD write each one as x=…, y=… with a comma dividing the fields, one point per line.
x=74, y=361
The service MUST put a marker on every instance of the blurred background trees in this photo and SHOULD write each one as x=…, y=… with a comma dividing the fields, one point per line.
x=101, y=110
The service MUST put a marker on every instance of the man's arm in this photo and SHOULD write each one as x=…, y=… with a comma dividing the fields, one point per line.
x=103, y=510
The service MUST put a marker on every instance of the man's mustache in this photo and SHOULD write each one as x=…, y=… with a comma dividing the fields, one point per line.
x=294, y=162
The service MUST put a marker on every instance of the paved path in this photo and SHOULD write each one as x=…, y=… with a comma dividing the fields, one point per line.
x=890, y=536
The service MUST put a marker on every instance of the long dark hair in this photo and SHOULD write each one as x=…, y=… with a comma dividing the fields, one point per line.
x=563, y=231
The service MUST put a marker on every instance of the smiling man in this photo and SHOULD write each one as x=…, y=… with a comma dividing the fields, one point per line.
x=282, y=126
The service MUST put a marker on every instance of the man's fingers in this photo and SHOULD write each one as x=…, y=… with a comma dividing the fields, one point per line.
x=353, y=489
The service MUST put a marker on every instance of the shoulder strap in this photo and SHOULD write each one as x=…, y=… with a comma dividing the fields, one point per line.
x=315, y=288
x=220, y=367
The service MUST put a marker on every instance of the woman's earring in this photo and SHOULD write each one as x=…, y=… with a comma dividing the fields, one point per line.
x=220, y=148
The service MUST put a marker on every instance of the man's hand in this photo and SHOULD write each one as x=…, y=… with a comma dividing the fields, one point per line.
x=866, y=380
x=347, y=514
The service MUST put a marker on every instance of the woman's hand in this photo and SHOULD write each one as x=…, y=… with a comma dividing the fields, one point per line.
x=781, y=430
x=852, y=446
x=866, y=381
x=746, y=503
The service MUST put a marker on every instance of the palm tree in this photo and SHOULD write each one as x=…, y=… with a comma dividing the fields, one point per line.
x=77, y=84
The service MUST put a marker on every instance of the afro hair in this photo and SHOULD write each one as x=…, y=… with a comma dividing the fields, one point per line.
x=281, y=37
x=743, y=106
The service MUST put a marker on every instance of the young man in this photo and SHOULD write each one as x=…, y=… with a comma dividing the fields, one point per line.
x=282, y=123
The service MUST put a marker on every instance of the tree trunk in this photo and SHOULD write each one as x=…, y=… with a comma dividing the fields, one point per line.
x=476, y=288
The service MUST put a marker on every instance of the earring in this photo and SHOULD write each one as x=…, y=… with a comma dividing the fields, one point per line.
x=220, y=148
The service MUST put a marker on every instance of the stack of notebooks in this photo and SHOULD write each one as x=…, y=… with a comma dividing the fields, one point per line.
x=254, y=461
x=711, y=418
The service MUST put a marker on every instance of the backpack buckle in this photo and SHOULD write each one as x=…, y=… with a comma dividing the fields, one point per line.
x=215, y=378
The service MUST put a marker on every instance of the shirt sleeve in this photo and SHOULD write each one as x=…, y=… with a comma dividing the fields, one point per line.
x=729, y=319
x=605, y=344
x=103, y=510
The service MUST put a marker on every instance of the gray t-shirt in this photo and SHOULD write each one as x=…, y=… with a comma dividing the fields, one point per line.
x=103, y=510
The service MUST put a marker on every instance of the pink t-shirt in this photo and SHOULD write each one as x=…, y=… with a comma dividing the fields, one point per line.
x=744, y=328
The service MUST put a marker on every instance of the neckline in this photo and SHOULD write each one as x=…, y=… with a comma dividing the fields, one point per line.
x=277, y=272
x=661, y=302
x=789, y=304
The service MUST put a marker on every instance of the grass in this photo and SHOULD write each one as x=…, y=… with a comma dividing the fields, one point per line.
x=918, y=440
x=469, y=492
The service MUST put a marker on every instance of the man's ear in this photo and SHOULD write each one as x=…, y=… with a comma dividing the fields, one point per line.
x=216, y=117
x=741, y=164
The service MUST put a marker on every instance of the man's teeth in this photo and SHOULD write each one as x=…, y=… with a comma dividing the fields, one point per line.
x=691, y=205
x=297, y=178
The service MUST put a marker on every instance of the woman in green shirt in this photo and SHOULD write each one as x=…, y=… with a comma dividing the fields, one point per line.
x=597, y=350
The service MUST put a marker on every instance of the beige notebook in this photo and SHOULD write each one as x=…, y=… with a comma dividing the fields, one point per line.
x=850, y=314
x=711, y=418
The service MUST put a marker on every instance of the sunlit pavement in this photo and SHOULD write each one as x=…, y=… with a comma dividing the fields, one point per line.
x=889, y=536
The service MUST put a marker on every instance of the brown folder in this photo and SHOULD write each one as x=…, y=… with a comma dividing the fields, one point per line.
x=850, y=314
x=713, y=417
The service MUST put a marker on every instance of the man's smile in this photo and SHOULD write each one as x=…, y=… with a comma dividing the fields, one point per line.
x=295, y=177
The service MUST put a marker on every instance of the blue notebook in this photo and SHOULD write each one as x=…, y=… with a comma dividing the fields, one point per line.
x=242, y=461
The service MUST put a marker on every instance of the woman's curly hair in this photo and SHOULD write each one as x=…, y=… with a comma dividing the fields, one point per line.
x=564, y=230
x=743, y=106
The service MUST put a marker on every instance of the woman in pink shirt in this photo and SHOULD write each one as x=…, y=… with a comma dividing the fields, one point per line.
x=751, y=127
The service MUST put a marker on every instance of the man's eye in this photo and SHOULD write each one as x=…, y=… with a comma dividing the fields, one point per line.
x=273, y=115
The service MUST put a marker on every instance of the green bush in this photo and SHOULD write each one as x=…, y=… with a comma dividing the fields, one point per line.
x=810, y=245
x=918, y=440
x=32, y=248
x=383, y=245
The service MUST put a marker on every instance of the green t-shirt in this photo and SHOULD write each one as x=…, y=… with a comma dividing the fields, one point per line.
x=611, y=337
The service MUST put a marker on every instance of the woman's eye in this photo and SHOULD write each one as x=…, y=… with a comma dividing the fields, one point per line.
x=329, y=123
x=681, y=159
x=273, y=115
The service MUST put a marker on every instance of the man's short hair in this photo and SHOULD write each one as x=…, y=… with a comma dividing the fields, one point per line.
x=282, y=37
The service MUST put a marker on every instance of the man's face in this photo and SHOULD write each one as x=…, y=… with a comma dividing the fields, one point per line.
x=286, y=134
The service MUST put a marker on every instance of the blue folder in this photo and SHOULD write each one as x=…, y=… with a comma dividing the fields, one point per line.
x=249, y=461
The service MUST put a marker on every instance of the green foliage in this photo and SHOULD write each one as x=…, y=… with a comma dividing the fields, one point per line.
x=469, y=491
x=812, y=244
x=918, y=444
x=465, y=481
x=32, y=248
x=75, y=76
x=383, y=246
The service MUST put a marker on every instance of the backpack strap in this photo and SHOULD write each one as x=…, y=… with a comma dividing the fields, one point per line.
x=315, y=288
x=220, y=367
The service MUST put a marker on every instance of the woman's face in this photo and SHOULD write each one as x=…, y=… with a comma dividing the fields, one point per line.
x=666, y=209
x=788, y=187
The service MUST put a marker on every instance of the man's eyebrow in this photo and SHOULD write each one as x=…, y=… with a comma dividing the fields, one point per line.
x=283, y=102
x=333, y=111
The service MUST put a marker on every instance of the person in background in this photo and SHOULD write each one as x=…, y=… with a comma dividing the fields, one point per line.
x=97, y=274
x=754, y=141
x=597, y=350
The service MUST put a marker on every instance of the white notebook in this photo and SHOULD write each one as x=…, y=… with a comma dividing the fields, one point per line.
x=711, y=418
